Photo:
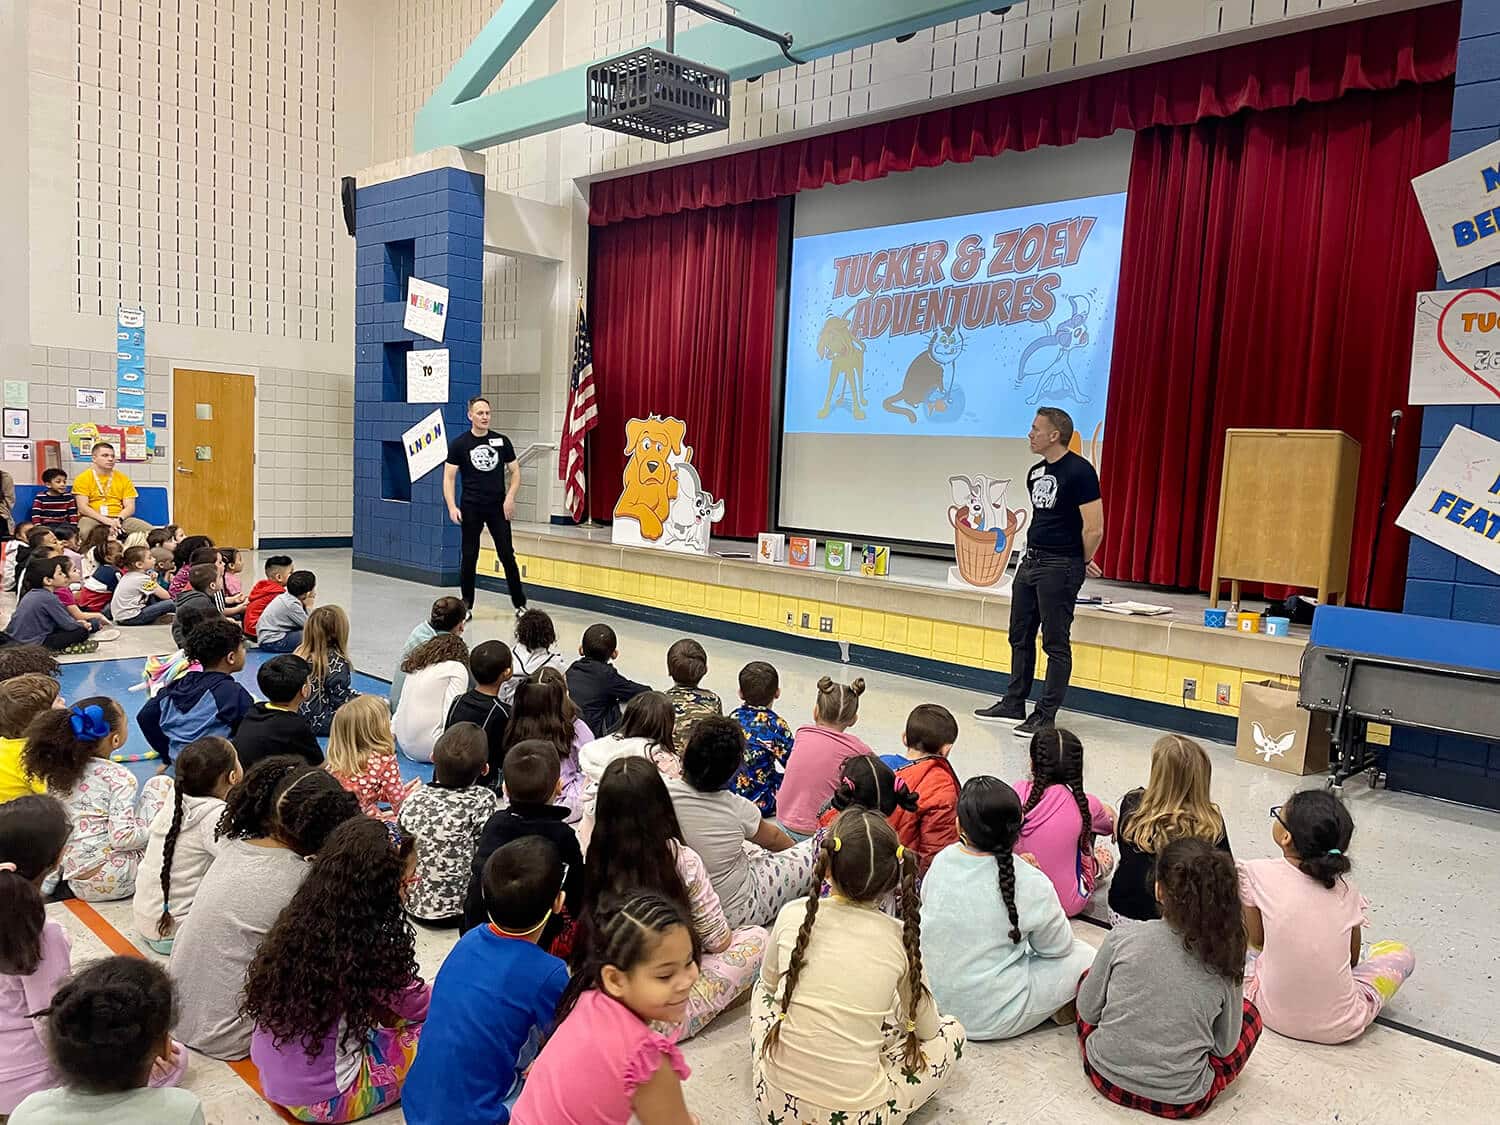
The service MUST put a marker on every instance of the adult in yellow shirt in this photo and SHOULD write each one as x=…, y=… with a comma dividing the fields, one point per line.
x=106, y=495
x=22, y=698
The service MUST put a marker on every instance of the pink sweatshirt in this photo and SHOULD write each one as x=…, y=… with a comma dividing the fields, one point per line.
x=812, y=774
x=1051, y=834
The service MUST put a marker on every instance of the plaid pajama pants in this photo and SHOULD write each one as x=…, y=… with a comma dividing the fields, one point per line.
x=1226, y=1069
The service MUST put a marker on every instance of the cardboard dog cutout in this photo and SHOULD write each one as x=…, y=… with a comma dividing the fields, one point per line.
x=662, y=499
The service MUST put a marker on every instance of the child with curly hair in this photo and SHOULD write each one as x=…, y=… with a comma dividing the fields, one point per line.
x=535, y=649
x=1162, y=1018
x=362, y=755
x=333, y=990
x=108, y=1032
x=436, y=673
x=823, y=1046
x=273, y=820
x=325, y=647
x=69, y=751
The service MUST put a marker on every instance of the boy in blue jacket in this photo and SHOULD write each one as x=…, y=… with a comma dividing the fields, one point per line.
x=203, y=703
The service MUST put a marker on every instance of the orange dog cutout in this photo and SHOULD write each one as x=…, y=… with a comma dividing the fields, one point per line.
x=653, y=447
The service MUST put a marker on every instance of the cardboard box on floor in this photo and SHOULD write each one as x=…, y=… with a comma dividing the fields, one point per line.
x=1276, y=733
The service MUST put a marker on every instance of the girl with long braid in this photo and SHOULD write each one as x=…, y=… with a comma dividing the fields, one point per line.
x=1003, y=957
x=182, y=842
x=1061, y=820
x=843, y=1022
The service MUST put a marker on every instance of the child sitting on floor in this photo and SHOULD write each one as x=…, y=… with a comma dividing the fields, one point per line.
x=437, y=673
x=768, y=739
x=279, y=627
x=494, y=997
x=69, y=750
x=866, y=782
x=606, y=1063
x=22, y=698
x=200, y=703
x=687, y=664
x=182, y=561
x=171, y=667
x=34, y=949
x=645, y=731
x=362, y=755
x=1162, y=1016
x=930, y=734
x=325, y=647
x=277, y=726
x=1061, y=820
x=138, y=598
x=446, y=819
x=448, y=615
x=11, y=551
x=489, y=664
x=201, y=595
x=542, y=710
x=817, y=753
x=535, y=649
x=108, y=1031
x=40, y=618
x=234, y=567
x=99, y=587
x=266, y=590
x=183, y=841
x=333, y=990
x=1306, y=917
x=836, y=969
x=596, y=684
x=95, y=622
x=996, y=942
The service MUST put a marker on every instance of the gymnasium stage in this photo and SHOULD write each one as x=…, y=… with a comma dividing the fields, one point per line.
x=911, y=623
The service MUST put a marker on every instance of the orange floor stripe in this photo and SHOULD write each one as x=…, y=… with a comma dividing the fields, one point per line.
x=117, y=943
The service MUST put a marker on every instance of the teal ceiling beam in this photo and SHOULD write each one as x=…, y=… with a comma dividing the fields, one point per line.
x=460, y=112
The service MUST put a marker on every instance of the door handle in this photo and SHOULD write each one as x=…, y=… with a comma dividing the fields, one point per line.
x=184, y=472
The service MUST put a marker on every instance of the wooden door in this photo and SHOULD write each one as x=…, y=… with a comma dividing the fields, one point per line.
x=213, y=455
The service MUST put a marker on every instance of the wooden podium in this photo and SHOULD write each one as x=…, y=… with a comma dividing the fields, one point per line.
x=1286, y=511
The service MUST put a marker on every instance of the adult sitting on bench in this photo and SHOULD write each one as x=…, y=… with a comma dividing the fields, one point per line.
x=106, y=496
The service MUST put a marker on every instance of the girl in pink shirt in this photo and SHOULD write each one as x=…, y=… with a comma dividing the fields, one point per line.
x=1306, y=918
x=1061, y=820
x=818, y=752
x=606, y=1064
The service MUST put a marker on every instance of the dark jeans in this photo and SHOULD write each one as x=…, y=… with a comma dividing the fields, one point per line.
x=151, y=612
x=289, y=643
x=474, y=521
x=1044, y=594
x=60, y=639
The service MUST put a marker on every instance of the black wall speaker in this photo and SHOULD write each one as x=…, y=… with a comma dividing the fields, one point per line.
x=346, y=194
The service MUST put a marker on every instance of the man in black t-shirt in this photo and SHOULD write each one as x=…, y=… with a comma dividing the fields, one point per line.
x=491, y=477
x=1067, y=526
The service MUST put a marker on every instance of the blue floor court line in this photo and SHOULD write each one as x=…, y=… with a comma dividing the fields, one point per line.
x=115, y=678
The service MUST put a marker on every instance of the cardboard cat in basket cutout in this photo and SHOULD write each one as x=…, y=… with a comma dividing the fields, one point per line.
x=662, y=499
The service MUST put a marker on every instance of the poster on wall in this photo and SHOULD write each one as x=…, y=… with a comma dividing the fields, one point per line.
x=130, y=406
x=427, y=375
x=1457, y=502
x=134, y=445
x=663, y=502
x=18, y=451
x=426, y=309
x=17, y=393
x=81, y=438
x=1461, y=203
x=130, y=365
x=17, y=422
x=1455, y=348
x=90, y=398
x=426, y=445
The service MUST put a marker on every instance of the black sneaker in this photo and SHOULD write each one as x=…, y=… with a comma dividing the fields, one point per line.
x=1002, y=712
x=1032, y=725
x=521, y=611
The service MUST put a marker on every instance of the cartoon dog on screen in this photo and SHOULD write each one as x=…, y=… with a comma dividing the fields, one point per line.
x=653, y=447
x=845, y=351
x=1050, y=356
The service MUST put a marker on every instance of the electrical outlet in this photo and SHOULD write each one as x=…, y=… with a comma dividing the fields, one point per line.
x=825, y=624
x=807, y=621
x=791, y=620
x=1222, y=695
x=523, y=570
x=1189, y=688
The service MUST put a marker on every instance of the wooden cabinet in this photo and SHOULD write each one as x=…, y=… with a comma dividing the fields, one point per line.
x=1286, y=511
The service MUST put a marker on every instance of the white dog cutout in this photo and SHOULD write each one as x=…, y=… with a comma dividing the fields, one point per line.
x=692, y=514
x=1268, y=747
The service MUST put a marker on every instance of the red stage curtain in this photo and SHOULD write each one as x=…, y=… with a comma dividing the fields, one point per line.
x=1269, y=273
x=1318, y=65
x=683, y=309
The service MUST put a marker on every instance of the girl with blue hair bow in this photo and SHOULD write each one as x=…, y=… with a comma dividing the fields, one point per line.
x=69, y=751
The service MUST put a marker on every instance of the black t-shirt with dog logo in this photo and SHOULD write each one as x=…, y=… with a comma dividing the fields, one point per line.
x=1058, y=489
x=481, y=465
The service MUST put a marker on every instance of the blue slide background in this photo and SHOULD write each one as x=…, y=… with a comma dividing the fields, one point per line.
x=986, y=401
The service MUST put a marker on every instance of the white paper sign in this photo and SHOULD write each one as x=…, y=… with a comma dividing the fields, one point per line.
x=426, y=445
x=18, y=451
x=426, y=308
x=90, y=398
x=427, y=375
x=1455, y=348
x=1461, y=203
x=1457, y=502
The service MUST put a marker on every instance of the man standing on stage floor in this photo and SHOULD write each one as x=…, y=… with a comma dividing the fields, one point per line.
x=1067, y=526
x=491, y=478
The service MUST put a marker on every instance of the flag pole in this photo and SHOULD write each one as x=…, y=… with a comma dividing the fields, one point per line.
x=588, y=523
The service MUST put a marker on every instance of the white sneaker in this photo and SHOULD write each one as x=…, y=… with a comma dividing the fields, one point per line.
x=106, y=635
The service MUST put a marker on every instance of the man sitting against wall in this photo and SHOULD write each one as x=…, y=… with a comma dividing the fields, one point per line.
x=106, y=496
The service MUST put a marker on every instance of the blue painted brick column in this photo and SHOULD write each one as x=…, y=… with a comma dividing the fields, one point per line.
x=428, y=225
x=1439, y=583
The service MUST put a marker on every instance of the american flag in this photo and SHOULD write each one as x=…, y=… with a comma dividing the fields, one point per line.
x=582, y=416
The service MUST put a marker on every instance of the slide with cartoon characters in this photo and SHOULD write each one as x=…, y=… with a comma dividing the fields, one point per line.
x=954, y=327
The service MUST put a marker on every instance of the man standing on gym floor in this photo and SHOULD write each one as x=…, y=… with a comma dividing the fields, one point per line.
x=491, y=478
x=1067, y=526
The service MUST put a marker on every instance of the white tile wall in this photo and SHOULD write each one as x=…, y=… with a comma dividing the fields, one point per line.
x=516, y=293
